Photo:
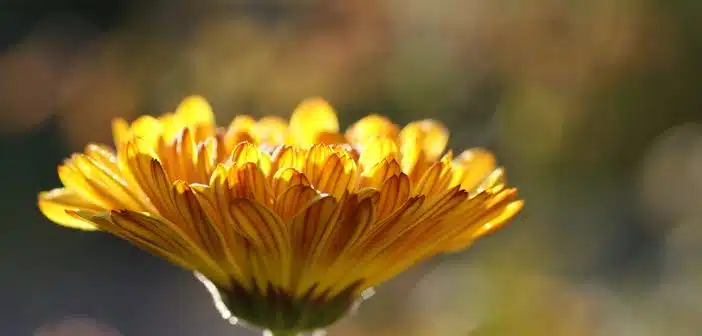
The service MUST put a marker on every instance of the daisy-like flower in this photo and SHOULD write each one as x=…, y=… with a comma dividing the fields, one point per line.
x=288, y=223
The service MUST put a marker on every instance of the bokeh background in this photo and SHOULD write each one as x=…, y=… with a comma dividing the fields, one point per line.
x=593, y=106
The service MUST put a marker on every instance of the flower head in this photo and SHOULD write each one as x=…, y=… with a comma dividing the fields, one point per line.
x=289, y=221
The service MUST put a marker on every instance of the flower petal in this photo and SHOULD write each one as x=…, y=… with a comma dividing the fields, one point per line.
x=378, y=150
x=431, y=136
x=335, y=176
x=393, y=194
x=381, y=172
x=270, y=130
x=472, y=167
x=496, y=219
x=159, y=237
x=104, y=187
x=54, y=204
x=248, y=181
x=268, y=234
x=371, y=127
x=244, y=152
x=195, y=110
x=307, y=228
x=293, y=200
x=311, y=118
x=288, y=157
x=287, y=178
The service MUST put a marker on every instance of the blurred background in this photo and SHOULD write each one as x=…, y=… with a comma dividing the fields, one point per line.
x=593, y=106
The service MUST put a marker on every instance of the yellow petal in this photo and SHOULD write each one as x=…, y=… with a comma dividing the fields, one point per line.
x=151, y=177
x=377, y=150
x=293, y=200
x=330, y=138
x=496, y=219
x=248, y=181
x=377, y=175
x=78, y=180
x=54, y=204
x=206, y=160
x=194, y=110
x=148, y=129
x=472, y=167
x=120, y=131
x=430, y=180
x=264, y=227
x=371, y=127
x=106, y=182
x=233, y=138
x=242, y=123
x=244, y=153
x=495, y=180
x=307, y=228
x=335, y=176
x=316, y=158
x=311, y=118
x=270, y=130
x=205, y=233
x=431, y=137
x=287, y=178
x=385, y=230
x=160, y=237
x=187, y=156
x=103, y=156
x=214, y=199
x=288, y=157
x=355, y=218
x=393, y=194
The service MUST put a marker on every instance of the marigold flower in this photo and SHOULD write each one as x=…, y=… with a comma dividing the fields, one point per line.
x=290, y=222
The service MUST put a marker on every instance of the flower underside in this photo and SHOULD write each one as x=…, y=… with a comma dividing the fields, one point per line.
x=287, y=215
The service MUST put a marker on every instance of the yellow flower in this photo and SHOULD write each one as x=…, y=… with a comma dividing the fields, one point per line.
x=291, y=222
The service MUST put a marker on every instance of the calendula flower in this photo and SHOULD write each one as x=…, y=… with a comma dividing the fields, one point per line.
x=287, y=222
